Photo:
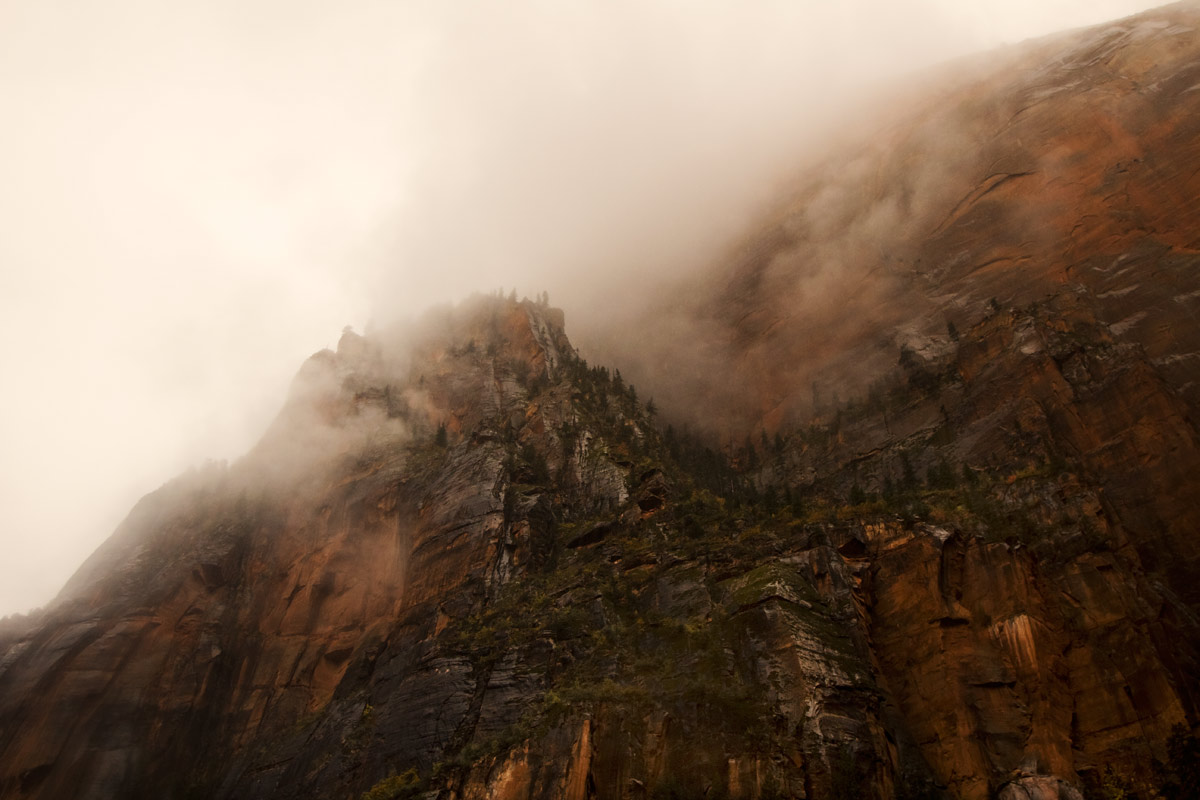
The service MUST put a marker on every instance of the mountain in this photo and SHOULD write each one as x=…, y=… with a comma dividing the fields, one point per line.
x=1065, y=165
x=949, y=553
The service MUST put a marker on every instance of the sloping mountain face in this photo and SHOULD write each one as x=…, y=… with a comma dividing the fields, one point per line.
x=199, y=650
x=463, y=563
x=481, y=571
x=1067, y=165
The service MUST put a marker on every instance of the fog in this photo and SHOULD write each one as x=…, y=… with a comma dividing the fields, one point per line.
x=198, y=195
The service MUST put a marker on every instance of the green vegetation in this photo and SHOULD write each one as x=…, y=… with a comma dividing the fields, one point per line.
x=618, y=650
x=396, y=787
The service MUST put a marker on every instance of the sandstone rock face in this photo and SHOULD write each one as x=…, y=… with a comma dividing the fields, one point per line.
x=1069, y=163
x=1016, y=639
x=227, y=610
x=464, y=563
x=483, y=564
x=1006, y=669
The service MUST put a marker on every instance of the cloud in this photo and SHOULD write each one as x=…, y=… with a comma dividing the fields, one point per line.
x=199, y=195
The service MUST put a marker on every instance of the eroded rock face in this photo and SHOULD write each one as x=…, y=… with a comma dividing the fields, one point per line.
x=1006, y=670
x=1072, y=162
x=224, y=614
x=493, y=573
x=285, y=629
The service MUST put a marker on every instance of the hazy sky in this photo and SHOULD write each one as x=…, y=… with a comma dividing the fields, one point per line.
x=195, y=196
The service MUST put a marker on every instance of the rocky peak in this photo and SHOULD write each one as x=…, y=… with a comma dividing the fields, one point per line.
x=409, y=478
x=503, y=581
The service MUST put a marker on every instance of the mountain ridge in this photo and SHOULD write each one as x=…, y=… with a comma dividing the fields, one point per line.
x=918, y=226
x=527, y=570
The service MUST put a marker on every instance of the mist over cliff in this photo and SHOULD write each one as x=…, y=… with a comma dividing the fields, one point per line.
x=987, y=184
x=201, y=195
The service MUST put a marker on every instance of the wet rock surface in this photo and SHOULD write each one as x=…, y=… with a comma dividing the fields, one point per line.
x=545, y=600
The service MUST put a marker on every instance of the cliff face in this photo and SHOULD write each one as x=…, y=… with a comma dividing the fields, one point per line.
x=1067, y=164
x=482, y=570
x=465, y=563
x=228, y=608
x=1047, y=626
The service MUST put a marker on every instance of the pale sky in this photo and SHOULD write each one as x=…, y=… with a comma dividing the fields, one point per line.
x=198, y=195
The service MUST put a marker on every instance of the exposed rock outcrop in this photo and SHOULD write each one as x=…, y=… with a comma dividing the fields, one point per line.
x=493, y=572
x=1069, y=162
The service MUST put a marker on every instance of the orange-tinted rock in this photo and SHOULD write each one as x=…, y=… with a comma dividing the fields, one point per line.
x=238, y=601
x=1071, y=163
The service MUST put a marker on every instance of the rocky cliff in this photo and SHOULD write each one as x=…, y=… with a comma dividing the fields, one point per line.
x=1069, y=163
x=955, y=556
x=476, y=566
